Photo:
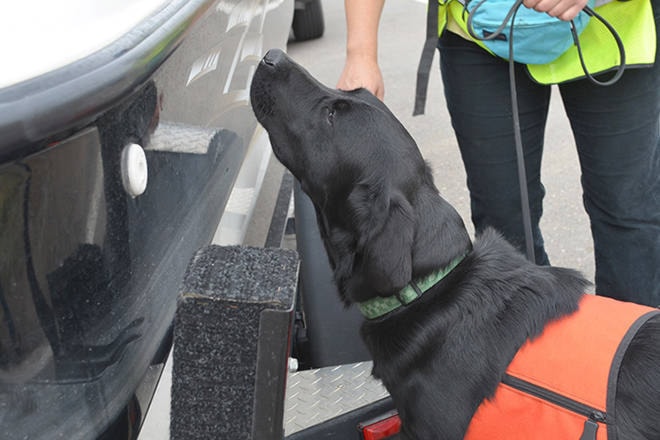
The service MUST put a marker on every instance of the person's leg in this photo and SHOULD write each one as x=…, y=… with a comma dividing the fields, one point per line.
x=617, y=132
x=476, y=87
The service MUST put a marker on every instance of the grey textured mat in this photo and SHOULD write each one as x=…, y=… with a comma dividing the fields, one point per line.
x=230, y=343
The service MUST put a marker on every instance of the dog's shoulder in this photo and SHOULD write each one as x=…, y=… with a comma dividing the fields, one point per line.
x=502, y=266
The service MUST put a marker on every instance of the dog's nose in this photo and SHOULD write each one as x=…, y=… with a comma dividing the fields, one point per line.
x=273, y=56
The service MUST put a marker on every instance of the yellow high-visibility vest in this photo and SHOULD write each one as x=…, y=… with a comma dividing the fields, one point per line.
x=633, y=20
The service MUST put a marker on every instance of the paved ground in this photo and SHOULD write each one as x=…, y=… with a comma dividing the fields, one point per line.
x=565, y=225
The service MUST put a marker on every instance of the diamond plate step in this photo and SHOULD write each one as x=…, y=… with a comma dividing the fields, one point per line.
x=314, y=396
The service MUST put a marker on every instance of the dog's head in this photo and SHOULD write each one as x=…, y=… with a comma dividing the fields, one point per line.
x=324, y=135
x=361, y=169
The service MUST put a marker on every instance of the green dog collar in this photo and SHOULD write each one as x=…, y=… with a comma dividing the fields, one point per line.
x=382, y=305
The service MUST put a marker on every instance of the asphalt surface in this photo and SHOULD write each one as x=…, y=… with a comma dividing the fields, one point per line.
x=564, y=224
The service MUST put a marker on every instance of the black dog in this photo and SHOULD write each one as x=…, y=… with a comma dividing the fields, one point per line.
x=384, y=226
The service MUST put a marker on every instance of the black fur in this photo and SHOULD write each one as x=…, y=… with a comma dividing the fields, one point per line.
x=383, y=224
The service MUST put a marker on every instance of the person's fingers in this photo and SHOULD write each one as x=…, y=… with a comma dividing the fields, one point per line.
x=563, y=9
x=357, y=76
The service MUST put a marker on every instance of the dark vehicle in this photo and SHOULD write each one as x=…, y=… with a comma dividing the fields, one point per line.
x=123, y=127
x=308, y=22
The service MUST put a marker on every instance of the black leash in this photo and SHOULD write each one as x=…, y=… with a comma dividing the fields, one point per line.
x=576, y=39
x=426, y=60
x=619, y=43
x=520, y=154
x=425, y=67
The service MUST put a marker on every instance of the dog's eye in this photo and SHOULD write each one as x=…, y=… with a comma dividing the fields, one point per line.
x=331, y=116
x=340, y=106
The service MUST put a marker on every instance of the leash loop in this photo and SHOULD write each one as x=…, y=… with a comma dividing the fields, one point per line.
x=617, y=38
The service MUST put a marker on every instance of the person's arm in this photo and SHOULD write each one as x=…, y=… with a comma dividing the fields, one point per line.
x=361, y=67
x=563, y=9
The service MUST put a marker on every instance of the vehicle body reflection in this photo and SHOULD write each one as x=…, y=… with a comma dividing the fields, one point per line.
x=89, y=272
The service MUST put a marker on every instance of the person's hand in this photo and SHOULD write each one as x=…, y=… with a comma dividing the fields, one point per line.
x=562, y=9
x=362, y=72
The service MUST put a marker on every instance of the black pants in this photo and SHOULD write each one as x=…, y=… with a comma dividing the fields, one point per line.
x=617, y=133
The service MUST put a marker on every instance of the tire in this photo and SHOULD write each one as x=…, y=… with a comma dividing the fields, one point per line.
x=308, y=22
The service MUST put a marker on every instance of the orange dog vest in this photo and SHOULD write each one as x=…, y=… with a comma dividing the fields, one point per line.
x=561, y=385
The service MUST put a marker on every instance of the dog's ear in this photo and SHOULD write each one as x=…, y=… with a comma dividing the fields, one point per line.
x=384, y=222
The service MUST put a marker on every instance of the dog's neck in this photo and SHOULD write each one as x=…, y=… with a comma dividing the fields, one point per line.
x=380, y=306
